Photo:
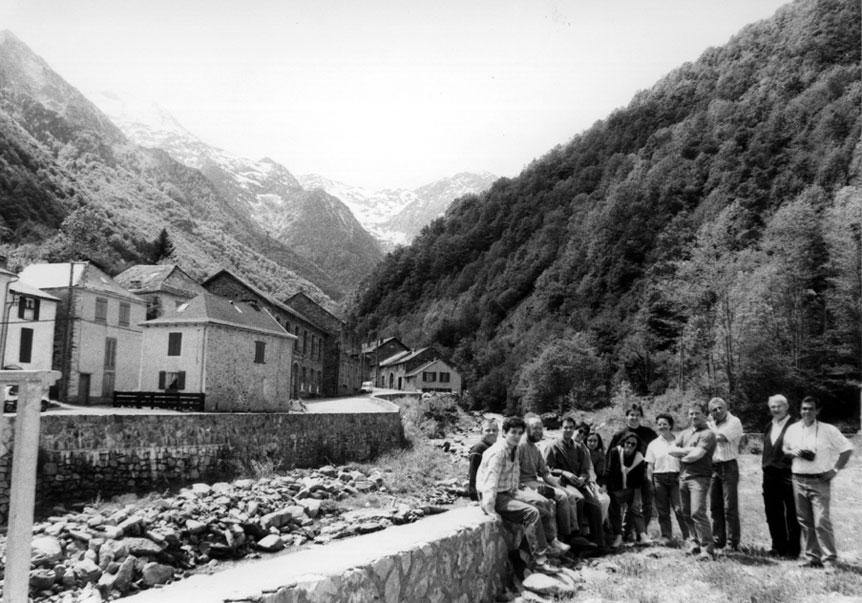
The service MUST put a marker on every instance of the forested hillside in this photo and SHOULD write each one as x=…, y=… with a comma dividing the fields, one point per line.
x=704, y=239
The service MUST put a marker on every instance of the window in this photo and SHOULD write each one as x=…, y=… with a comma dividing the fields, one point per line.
x=304, y=341
x=125, y=313
x=25, y=354
x=169, y=380
x=28, y=308
x=429, y=376
x=312, y=347
x=444, y=377
x=259, y=352
x=101, y=309
x=110, y=353
x=175, y=344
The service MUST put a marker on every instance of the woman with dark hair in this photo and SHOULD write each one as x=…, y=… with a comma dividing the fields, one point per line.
x=625, y=478
x=663, y=471
x=593, y=441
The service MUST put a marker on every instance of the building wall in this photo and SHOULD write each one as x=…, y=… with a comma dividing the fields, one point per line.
x=85, y=456
x=43, y=337
x=154, y=356
x=437, y=367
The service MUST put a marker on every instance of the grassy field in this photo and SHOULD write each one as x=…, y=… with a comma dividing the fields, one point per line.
x=659, y=574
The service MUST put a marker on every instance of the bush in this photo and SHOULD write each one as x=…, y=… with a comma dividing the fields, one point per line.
x=433, y=416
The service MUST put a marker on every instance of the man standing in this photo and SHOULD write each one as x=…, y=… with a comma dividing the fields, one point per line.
x=819, y=452
x=490, y=433
x=724, y=487
x=536, y=476
x=778, y=483
x=634, y=416
x=694, y=448
x=570, y=463
x=501, y=498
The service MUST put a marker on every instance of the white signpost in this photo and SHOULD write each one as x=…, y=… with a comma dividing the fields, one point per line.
x=32, y=385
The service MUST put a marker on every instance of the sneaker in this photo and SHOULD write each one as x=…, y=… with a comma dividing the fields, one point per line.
x=618, y=542
x=581, y=542
x=645, y=540
x=830, y=567
x=541, y=564
x=811, y=563
x=694, y=548
x=665, y=541
x=558, y=547
x=705, y=556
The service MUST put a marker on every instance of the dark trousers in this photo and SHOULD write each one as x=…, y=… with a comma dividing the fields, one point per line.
x=781, y=511
x=724, y=503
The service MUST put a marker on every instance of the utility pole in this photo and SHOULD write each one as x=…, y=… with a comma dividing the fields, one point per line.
x=67, y=337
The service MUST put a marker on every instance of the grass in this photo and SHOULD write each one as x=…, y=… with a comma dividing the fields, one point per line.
x=658, y=574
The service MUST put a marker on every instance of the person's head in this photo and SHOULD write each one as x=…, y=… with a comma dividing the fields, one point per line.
x=634, y=416
x=535, y=428
x=594, y=441
x=569, y=427
x=664, y=423
x=718, y=409
x=490, y=431
x=697, y=414
x=513, y=429
x=629, y=443
x=778, y=406
x=582, y=431
x=808, y=409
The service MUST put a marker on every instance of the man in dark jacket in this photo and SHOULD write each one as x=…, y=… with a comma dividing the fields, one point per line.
x=490, y=433
x=778, y=483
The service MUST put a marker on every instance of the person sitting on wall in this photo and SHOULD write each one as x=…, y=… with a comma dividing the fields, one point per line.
x=490, y=433
x=502, y=498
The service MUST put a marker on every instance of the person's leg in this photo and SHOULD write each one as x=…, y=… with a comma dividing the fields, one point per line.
x=662, y=483
x=731, y=503
x=547, y=510
x=566, y=519
x=700, y=487
x=773, y=505
x=520, y=512
x=805, y=515
x=646, y=502
x=635, y=511
x=716, y=504
x=593, y=513
x=794, y=533
x=676, y=506
x=685, y=504
x=820, y=499
x=615, y=513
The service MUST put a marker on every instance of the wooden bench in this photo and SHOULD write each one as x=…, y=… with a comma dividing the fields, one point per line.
x=161, y=399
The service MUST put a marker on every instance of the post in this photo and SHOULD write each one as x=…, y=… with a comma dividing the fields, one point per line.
x=32, y=385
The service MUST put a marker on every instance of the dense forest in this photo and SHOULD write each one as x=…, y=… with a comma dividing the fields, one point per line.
x=703, y=240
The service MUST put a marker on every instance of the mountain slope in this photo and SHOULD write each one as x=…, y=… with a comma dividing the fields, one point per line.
x=698, y=239
x=90, y=192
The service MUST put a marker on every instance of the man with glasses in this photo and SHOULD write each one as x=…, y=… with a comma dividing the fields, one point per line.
x=819, y=452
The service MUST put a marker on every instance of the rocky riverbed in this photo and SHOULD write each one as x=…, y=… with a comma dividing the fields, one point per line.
x=104, y=552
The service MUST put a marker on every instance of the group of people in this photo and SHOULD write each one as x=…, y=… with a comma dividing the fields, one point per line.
x=572, y=492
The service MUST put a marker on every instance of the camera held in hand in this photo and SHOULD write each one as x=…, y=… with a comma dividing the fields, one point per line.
x=807, y=454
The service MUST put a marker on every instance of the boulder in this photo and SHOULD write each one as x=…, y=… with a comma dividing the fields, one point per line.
x=42, y=579
x=270, y=544
x=87, y=570
x=142, y=546
x=45, y=551
x=547, y=585
x=311, y=506
x=157, y=573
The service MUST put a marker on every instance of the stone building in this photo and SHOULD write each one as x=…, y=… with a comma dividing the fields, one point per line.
x=308, y=352
x=237, y=354
x=374, y=352
x=162, y=285
x=98, y=344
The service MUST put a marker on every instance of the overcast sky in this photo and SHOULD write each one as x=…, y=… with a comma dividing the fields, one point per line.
x=379, y=93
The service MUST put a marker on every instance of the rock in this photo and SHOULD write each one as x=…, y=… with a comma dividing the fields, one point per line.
x=87, y=570
x=311, y=506
x=42, y=579
x=131, y=525
x=201, y=489
x=328, y=471
x=113, y=532
x=142, y=546
x=221, y=487
x=270, y=544
x=157, y=573
x=125, y=574
x=112, y=550
x=95, y=521
x=194, y=526
x=69, y=579
x=278, y=518
x=546, y=585
x=45, y=551
x=244, y=484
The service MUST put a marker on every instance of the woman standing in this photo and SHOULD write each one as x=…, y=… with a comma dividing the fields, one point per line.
x=663, y=471
x=626, y=477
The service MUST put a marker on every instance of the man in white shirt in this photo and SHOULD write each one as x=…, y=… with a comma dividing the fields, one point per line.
x=724, y=485
x=819, y=452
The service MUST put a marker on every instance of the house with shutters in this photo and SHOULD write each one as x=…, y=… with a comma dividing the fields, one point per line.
x=375, y=352
x=234, y=353
x=422, y=370
x=29, y=320
x=97, y=342
x=161, y=285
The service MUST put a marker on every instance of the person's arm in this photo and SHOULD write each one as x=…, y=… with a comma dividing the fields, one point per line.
x=694, y=454
x=488, y=484
x=731, y=432
x=650, y=467
x=545, y=473
x=474, y=461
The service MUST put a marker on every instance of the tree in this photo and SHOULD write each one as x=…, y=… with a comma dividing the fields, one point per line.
x=163, y=248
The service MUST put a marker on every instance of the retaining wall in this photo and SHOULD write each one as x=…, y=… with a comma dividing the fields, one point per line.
x=85, y=456
x=460, y=556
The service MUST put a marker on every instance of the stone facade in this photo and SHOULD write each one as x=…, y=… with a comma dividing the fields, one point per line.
x=458, y=557
x=85, y=456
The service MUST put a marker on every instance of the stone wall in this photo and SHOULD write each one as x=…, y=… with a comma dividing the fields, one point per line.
x=82, y=457
x=458, y=557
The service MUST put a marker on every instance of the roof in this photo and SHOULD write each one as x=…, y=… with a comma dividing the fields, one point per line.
x=153, y=277
x=24, y=288
x=85, y=275
x=262, y=295
x=207, y=308
x=370, y=347
x=402, y=357
x=422, y=368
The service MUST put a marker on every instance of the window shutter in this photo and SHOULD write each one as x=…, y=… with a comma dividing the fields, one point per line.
x=22, y=306
x=36, y=303
x=26, y=351
x=161, y=379
x=181, y=380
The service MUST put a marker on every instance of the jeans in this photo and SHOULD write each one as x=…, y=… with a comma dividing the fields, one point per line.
x=520, y=508
x=812, y=509
x=628, y=501
x=724, y=503
x=778, y=502
x=694, y=492
x=666, y=486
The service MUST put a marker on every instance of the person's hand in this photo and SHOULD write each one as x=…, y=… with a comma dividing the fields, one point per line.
x=827, y=477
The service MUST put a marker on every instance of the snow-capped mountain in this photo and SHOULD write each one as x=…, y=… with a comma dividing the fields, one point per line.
x=395, y=216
